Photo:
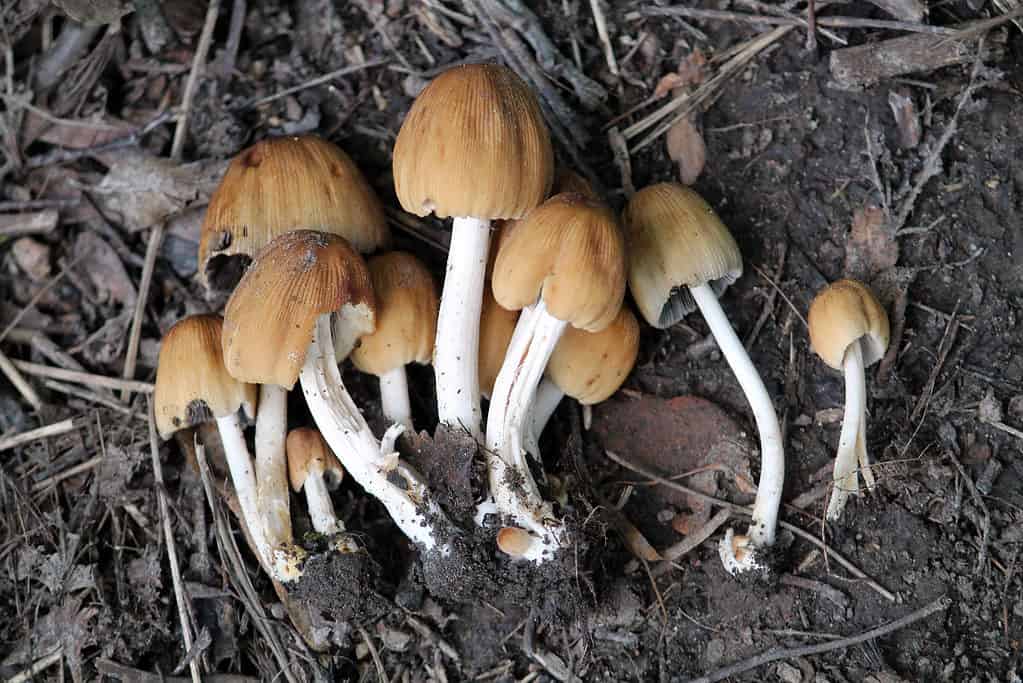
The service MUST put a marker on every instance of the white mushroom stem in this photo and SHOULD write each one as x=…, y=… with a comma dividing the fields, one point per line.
x=512, y=486
x=548, y=397
x=272, y=464
x=394, y=397
x=321, y=508
x=845, y=477
x=374, y=466
x=458, y=326
x=239, y=462
x=772, y=454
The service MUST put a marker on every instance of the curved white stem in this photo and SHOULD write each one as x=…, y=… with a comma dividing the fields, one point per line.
x=512, y=486
x=846, y=481
x=272, y=464
x=548, y=397
x=321, y=508
x=861, y=441
x=458, y=326
x=772, y=454
x=394, y=397
x=345, y=430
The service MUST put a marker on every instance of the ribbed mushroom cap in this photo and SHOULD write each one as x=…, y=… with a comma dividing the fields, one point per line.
x=406, y=319
x=496, y=327
x=309, y=454
x=676, y=241
x=192, y=384
x=300, y=275
x=569, y=250
x=279, y=185
x=843, y=312
x=475, y=144
x=590, y=366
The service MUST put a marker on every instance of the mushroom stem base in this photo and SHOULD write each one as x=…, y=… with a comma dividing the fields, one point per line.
x=548, y=398
x=512, y=486
x=321, y=508
x=383, y=476
x=272, y=464
x=394, y=397
x=850, y=440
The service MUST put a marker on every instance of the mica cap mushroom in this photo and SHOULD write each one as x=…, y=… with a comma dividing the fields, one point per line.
x=282, y=184
x=474, y=146
x=313, y=468
x=849, y=330
x=406, y=324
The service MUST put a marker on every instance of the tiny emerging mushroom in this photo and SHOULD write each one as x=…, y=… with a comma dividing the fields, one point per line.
x=406, y=324
x=278, y=329
x=193, y=386
x=474, y=146
x=682, y=257
x=588, y=366
x=312, y=467
x=563, y=264
x=849, y=331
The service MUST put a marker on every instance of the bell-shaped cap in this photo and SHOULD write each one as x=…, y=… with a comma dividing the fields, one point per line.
x=192, y=384
x=308, y=454
x=283, y=184
x=843, y=312
x=298, y=276
x=590, y=366
x=474, y=144
x=570, y=251
x=676, y=241
x=406, y=315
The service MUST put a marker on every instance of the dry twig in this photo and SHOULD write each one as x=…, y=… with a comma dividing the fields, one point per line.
x=132, y=354
x=198, y=66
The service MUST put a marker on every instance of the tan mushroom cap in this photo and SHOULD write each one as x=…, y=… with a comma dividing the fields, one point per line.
x=192, y=384
x=569, y=250
x=496, y=327
x=676, y=241
x=590, y=366
x=474, y=143
x=843, y=312
x=406, y=318
x=567, y=180
x=309, y=454
x=300, y=275
x=282, y=184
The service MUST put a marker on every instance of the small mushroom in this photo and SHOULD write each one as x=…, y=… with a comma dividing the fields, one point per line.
x=277, y=329
x=406, y=325
x=473, y=146
x=563, y=264
x=192, y=387
x=588, y=366
x=682, y=257
x=312, y=467
x=849, y=331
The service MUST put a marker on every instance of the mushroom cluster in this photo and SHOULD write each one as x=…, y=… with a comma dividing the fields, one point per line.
x=532, y=309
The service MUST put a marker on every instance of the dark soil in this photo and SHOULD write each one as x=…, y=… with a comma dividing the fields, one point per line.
x=791, y=160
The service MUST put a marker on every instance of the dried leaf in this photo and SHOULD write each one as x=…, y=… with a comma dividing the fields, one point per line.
x=693, y=69
x=687, y=149
x=94, y=12
x=102, y=266
x=668, y=82
x=906, y=118
x=144, y=189
x=80, y=136
x=872, y=247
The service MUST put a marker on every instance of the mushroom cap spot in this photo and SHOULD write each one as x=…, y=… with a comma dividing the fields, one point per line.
x=406, y=320
x=475, y=144
x=676, y=241
x=843, y=312
x=192, y=384
x=571, y=252
x=298, y=276
x=309, y=454
x=590, y=366
x=282, y=184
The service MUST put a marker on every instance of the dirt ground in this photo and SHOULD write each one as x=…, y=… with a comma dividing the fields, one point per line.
x=911, y=184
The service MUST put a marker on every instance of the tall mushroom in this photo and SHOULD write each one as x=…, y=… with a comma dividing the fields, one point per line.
x=193, y=386
x=473, y=146
x=312, y=467
x=588, y=366
x=563, y=264
x=849, y=331
x=275, y=186
x=277, y=329
x=682, y=257
x=406, y=325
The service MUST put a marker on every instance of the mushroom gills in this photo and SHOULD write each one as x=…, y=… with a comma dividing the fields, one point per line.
x=680, y=302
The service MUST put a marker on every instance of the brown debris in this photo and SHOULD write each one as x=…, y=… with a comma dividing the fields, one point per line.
x=871, y=247
x=906, y=118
